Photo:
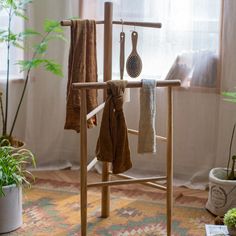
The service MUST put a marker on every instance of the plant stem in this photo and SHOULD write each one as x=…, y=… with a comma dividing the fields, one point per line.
x=2, y=113
x=4, y=132
x=25, y=85
x=230, y=149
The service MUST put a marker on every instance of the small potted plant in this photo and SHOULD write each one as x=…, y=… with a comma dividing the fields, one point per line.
x=13, y=175
x=230, y=221
x=222, y=181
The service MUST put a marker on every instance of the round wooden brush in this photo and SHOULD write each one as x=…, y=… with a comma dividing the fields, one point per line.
x=134, y=62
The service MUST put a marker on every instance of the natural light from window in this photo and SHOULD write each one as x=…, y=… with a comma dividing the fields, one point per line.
x=15, y=53
x=190, y=28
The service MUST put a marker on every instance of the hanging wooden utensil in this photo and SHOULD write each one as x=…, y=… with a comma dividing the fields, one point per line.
x=134, y=62
x=122, y=54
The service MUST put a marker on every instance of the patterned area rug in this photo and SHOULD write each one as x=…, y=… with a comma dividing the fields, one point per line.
x=52, y=208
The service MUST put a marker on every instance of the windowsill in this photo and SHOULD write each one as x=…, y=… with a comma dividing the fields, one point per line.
x=199, y=89
x=12, y=80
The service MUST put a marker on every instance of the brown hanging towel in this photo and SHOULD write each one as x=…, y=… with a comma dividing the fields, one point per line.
x=82, y=68
x=112, y=144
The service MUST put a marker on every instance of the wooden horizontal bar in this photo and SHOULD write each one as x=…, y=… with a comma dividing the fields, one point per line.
x=68, y=22
x=142, y=24
x=95, y=111
x=131, y=23
x=120, y=182
x=130, y=84
x=153, y=185
x=136, y=132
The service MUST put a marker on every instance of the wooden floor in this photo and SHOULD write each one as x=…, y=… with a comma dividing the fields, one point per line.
x=72, y=176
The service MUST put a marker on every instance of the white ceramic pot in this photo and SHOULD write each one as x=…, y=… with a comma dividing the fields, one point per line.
x=11, y=209
x=222, y=192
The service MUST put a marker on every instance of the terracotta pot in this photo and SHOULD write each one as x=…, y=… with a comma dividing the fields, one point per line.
x=17, y=144
x=11, y=209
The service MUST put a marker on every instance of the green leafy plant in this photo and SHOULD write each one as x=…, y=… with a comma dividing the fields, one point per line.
x=231, y=97
x=13, y=167
x=230, y=218
x=52, y=30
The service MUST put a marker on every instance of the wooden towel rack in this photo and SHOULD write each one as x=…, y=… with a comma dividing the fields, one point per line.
x=84, y=168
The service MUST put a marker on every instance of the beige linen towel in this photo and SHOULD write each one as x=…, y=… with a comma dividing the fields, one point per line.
x=147, y=132
x=112, y=144
x=82, y=68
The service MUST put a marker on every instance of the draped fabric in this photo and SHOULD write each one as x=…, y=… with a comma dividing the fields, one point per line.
x=113, y=145
x=82, y=66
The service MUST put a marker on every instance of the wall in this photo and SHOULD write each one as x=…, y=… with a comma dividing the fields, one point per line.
x=227, y=112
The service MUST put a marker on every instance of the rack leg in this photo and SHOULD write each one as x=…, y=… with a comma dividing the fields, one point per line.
x=105, y=191
x=83, y=163
x=169, y=198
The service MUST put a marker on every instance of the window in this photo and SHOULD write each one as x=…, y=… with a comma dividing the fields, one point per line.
x=15, y=53
x=189, y=27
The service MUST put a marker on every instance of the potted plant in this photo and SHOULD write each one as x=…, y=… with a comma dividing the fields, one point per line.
x=230, y=221
x=13, y=175
x=222, y=181
x=52, y=30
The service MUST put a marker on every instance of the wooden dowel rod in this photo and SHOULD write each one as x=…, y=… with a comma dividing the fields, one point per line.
x=92, y=164
x=169, y=163
x=83, y=164
x=95, y=111
x=68, y=22
x=120, y=182
x=107, y=75
x=130, y=23
x=130, y=84
x=136, y=132
x=142, y=24
x=153, y=185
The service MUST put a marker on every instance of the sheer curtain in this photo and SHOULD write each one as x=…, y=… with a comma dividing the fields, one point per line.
x=190, y=27
x=15, y=53
x=187, y=26
x=53, y=146
x=196, y=113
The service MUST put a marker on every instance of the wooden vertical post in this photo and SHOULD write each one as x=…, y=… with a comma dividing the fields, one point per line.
x=107, y=71
x=169, y=162
x=83, y=163
x=81, y=9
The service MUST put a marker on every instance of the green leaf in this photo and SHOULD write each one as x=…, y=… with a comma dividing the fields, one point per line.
x=21, y=15
x=57, y=36
x=229, y=94
x=11, y=3
x=17, y=45
x=52, y=26
x=53, y=68
x=25, y=2
x=28, y=64
x=41, y=47
x=230, y=100
x=29, y=32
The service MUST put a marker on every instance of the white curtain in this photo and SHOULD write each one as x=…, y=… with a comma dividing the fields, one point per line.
x=202, y=124
x=53, y=146
x=16, y=54
x=187, y=25
x=190, y=28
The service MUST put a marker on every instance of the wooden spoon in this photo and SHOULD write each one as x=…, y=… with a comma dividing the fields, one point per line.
x=134, y=62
